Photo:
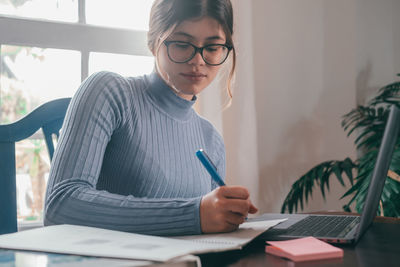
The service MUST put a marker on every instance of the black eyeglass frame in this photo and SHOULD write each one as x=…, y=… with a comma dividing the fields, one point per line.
x=197, y=49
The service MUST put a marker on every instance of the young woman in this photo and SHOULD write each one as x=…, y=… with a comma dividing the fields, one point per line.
x=126, y=159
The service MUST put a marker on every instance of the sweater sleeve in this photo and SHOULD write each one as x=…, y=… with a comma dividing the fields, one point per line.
x=96, y=111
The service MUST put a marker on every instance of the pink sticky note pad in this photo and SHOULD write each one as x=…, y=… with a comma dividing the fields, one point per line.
x=303, y=249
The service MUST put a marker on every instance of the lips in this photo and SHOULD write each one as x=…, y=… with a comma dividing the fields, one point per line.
x=194, y=76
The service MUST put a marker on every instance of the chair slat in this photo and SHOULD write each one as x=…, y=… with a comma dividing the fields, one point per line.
x=31, y=123
x=8, y=195
x=49, y=117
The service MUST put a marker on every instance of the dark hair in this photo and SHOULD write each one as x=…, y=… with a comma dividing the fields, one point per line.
x=165, y=15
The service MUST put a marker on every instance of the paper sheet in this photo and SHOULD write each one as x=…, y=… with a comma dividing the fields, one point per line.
x=90, y=241
x=233, y=240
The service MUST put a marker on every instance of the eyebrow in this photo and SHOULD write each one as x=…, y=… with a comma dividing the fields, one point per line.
x=184, y=34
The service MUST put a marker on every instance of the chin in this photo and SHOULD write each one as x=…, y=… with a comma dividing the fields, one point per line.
x=192, y=89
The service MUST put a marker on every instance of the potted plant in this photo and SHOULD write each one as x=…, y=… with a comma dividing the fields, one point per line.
x=368, y=122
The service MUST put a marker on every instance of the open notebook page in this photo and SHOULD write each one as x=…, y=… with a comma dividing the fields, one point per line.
x=233, y=240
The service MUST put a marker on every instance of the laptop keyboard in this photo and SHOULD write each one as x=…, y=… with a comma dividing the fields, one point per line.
x=323, y=226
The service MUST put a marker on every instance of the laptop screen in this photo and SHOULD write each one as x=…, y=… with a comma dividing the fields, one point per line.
x=381, y=169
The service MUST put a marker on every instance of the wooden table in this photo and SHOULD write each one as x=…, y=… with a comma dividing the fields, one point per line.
x=379, y=246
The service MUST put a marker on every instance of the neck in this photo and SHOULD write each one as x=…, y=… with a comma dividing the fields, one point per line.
x=177, y=91
x=169, y=100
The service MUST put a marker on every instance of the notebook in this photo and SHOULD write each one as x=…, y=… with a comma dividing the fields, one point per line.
x=91, y=241
x=303, y=249
x=336, y=228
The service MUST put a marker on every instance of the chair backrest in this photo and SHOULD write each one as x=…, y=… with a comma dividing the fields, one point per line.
x=49, y=117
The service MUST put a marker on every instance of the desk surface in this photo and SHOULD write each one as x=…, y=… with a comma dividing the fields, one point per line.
x=380, y=246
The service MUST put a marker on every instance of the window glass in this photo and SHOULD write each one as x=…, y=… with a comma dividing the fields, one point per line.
x=61, y=10
x=125, y=65
x=130, y=14
x=31, y=76
x=32, y=172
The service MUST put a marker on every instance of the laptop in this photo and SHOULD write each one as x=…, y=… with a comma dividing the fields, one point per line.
x=342, y=228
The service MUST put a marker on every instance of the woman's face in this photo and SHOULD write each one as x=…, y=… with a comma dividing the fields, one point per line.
x=192, y=77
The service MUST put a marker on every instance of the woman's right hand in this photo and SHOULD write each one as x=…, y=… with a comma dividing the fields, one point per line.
x=225, y=208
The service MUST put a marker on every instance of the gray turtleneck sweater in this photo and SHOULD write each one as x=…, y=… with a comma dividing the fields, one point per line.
x=126, y=158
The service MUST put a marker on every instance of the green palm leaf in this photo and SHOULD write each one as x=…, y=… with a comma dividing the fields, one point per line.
x=319, y=175
x=368, y=122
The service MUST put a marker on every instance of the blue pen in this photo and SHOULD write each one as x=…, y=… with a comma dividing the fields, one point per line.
x=210, y=167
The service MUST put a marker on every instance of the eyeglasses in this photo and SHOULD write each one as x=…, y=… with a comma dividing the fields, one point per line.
x=182, y=52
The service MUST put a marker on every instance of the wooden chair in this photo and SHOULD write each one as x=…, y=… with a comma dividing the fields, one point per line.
x=49, y=117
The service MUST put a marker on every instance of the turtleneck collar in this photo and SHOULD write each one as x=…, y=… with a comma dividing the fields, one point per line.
x=166, y=99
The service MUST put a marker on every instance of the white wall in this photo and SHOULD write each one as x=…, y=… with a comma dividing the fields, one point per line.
x=378, y=30
x=313, y=61
x=302, y=65
x=396, y=35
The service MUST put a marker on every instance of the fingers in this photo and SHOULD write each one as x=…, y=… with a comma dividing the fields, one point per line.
x=214, y=217
x=234, y=218
x=236, y=199
x=238, y=206
x=224, y=209
x=238, y=192
x=252, y=209
x=234, y=192
x=228, y=227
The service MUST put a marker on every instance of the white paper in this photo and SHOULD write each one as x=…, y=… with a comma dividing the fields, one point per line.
x=90, y=241
x=233, y=240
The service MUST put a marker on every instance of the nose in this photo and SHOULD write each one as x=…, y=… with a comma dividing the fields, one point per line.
x=197, y=59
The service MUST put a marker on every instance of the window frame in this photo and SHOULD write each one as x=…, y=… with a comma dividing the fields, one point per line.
x=78, y=36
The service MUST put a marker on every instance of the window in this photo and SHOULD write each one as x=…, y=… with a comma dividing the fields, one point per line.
x=126, y=65
x=47, y=48
x=60, y=10
x=31, y=76
x=129, y=14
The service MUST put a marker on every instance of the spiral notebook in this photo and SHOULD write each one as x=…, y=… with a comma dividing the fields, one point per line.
x=233, y=240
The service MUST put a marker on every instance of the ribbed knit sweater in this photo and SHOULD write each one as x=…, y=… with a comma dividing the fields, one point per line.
x=126, y=158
